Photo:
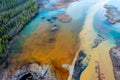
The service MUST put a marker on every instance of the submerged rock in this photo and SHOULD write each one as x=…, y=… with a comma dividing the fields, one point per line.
x=115, y=57
x=99, y=39
x=42, y=17
x=64, y=18
x=79, y=66
x=113, y=14
x=54, y=29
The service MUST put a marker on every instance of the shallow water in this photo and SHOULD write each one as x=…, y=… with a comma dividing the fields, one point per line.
x=34, y=24
x=62, y=47
x=111, y=31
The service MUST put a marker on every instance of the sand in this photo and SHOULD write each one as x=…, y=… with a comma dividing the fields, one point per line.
x=100, y=54
x=60, y=47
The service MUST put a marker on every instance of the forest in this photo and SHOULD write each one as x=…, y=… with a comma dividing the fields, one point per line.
x=14, y=15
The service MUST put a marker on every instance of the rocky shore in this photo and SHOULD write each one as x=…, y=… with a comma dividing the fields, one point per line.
x=112, y=14
x=79, y=66
x=45, y=44
x=29, y=72
x=115, y=57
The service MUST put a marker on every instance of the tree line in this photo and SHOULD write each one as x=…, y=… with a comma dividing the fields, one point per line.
x=13, y=18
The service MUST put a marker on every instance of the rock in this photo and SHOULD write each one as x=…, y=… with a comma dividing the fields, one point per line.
x=64, y=18
x=79, y=66
x=54, y=18
x=115, y=57
x=51, y=22
x=54, y=29
x=48, y=20
x=30, y=72
x=42, y=17
x=112, y=14
x=99, y=39
x=96, y=43
x=55, y=25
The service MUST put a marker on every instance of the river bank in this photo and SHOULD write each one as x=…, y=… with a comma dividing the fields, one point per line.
x=100, y=53
x=49, y=48
x=46, y=40
x=45, y=46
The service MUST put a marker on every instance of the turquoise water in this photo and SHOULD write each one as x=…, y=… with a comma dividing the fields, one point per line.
x=16, y=46
x=115, y=3
x=34, y=24
x=101, y=25
x=78, y=9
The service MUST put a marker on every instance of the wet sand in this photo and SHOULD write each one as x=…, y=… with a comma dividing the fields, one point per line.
x=100, y=53
x=53, y=48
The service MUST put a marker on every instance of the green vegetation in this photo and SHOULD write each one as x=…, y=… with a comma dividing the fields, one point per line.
x=14, y=14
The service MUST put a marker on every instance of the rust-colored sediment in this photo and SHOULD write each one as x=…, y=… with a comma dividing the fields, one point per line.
x=53, y=48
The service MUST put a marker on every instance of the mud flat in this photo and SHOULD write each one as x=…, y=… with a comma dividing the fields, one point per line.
x=79, y=67
x=115, y=57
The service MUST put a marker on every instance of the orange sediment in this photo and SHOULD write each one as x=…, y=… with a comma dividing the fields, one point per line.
x=53, y=48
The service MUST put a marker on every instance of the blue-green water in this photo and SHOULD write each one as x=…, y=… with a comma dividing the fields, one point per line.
x=77, y=11
x=101, y=25
x=34, y=24
x=72, y=11
x=16, y=46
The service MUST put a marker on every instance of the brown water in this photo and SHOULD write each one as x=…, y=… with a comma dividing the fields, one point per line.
x=53, y=48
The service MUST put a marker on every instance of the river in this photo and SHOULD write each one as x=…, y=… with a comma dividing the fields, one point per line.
x=100, y=54
x=86, y=16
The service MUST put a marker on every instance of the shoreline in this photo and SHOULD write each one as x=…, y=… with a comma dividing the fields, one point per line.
x=15, y=63
x=13, y=37
x=88, y=33
x=49, y=53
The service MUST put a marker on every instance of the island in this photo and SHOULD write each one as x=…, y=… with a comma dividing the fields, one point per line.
x=14, y=15
x=49, y=38
x=112, y=14
x=64, y=18
x=115, y=57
